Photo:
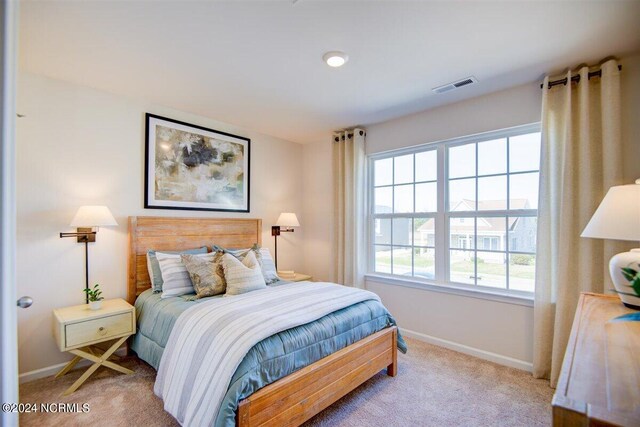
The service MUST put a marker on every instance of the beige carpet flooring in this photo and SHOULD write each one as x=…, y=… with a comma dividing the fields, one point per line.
x=434, y=387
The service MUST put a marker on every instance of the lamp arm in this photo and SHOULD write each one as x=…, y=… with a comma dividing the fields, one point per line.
x=275, y=232
x=83, y=237
x=78, y=234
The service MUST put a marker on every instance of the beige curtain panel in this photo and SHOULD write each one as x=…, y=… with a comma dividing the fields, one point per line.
x=581, y=159
x=350, y=188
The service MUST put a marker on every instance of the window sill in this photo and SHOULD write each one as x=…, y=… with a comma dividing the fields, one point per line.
x=486, y=294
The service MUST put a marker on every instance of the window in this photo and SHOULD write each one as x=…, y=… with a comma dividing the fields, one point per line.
x=405, y=199
x=459, y=212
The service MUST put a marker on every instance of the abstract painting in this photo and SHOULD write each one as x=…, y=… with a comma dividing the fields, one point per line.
x=195, y=168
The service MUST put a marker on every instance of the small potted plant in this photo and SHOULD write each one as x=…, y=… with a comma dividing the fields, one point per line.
x=95, y=297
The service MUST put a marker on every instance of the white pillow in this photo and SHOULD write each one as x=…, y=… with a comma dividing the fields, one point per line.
x=242, y=276
x=175, y=277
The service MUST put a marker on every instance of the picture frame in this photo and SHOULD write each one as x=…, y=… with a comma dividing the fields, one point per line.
x=191, y=167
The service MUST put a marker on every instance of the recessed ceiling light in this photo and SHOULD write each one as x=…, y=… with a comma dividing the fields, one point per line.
x=335, y=58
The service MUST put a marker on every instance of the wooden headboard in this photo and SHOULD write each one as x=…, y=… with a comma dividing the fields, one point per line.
x=170, y=234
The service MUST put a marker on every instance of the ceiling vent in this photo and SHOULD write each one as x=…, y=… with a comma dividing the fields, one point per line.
x=455, y=85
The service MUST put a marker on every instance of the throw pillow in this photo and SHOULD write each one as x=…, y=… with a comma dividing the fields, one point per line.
x=154, y=268
x=263, y=256
x=242, y=276
x=175, y=277
x=207, y=274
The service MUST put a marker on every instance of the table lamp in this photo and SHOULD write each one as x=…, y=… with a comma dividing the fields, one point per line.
x=86, y=219
x=618, y=218
x=285, y=223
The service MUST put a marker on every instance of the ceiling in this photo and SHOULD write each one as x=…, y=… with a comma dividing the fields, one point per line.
x=258, y=64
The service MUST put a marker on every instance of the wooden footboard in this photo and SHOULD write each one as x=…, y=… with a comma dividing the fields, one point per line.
x=296, y=398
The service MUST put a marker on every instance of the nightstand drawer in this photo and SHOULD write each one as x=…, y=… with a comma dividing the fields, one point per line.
x=98, y=330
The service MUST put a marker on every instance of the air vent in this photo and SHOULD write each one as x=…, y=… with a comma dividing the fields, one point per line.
x=463, y=83
x=455, y=85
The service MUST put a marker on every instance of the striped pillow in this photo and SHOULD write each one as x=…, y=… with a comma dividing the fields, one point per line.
x=268, y=266
x=175, y=277
x=154, y=267
x=242, y=276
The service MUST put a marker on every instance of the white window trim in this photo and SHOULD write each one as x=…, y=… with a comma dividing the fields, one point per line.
x=472, y=291
x=440, y=283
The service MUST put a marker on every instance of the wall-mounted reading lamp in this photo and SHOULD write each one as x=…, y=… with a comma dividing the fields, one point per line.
x=85, y=220
x=284, y=224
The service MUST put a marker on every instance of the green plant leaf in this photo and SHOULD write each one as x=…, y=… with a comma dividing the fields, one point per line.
x=622, y=293
x=629, y=273
x=635, y=284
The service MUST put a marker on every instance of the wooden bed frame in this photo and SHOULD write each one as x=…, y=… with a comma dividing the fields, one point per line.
x=294, y=399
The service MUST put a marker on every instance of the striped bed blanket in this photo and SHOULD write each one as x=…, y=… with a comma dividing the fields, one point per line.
x=209, y=340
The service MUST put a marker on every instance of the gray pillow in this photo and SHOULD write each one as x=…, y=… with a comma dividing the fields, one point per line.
x=155, y=275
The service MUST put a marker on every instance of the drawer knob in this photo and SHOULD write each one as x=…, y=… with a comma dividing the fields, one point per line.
x=102, y=330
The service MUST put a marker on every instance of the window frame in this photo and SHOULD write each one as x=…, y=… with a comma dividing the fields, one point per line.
x=442, y=245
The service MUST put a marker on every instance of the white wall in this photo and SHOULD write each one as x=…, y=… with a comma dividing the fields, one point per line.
x=79, y=146
x=318, y=211
x=507, y=108
x=496, y=330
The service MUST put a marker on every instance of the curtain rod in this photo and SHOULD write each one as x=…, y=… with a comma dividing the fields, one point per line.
x=576, y=78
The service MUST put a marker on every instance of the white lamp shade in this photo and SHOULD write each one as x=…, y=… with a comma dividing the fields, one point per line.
x=618, y=216
x=288, y=219
x=93, y=216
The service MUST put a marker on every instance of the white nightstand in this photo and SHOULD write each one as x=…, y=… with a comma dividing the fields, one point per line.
x=77, y=329
x=300, y=277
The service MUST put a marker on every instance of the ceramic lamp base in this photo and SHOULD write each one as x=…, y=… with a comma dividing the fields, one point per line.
x=624, y=289
x=631, y=306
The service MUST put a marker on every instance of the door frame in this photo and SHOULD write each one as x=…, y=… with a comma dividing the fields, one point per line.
x=8, y=315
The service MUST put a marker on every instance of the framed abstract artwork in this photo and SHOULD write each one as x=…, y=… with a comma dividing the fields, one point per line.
x=195, y=168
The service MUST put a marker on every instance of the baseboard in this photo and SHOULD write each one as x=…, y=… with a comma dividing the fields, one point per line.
x=472, y=351
x=53, y=369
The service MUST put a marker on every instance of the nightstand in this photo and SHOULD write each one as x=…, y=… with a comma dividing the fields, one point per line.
x=78, y=329
x=300, y=277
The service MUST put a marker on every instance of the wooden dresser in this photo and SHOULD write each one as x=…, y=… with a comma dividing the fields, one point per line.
x=599, y=384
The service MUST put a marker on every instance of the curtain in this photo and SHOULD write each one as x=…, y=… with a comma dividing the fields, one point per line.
x=350, y=189
x=581, y=157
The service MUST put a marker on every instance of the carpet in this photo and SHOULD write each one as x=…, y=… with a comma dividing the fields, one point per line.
x=434, y=387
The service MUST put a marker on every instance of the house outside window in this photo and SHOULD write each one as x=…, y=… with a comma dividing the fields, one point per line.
x=461, y=212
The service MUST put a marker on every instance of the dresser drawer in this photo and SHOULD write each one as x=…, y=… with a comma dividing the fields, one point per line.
x=101, y=329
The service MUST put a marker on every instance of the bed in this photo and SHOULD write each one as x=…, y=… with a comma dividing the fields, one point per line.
x=286, y=378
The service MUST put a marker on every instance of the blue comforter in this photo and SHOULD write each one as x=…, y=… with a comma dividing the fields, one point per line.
x=272, y=358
